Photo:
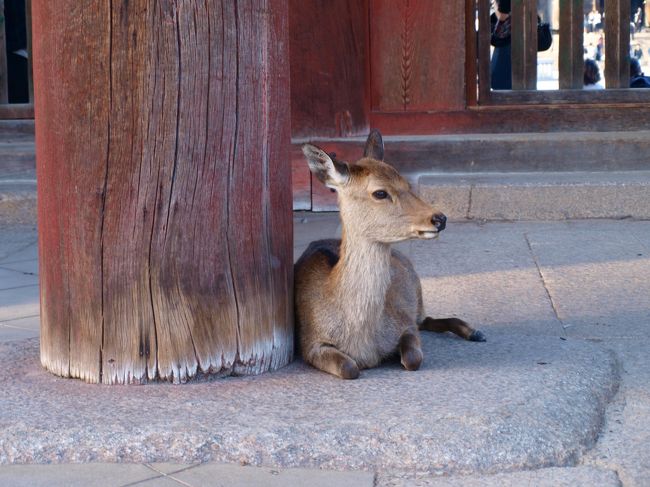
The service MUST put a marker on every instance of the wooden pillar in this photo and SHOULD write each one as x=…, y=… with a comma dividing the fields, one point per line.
x=617, y=44
x=524, y=44
x=571, y=55
x=165, y=225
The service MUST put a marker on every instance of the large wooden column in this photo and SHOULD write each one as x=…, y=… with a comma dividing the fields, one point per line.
x=162, y=134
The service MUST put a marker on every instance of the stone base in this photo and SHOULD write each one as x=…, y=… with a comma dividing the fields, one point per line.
x=515, y=402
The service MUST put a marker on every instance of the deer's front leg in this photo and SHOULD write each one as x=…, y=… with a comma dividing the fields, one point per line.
x=410, y=350
x=330, y=359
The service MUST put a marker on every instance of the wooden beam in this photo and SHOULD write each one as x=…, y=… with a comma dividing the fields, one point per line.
x=4, y=88
x=523, y=118
x=524, y=44
x=617, y=44
x=571, y=52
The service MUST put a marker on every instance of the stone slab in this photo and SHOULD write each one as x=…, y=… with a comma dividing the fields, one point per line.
x=484, y=274
x=547, y=477
x=597, y=276
x=515, y=402
x=17, y=242
x=17, y=197
x=19, y=303
x=540, y=196
x=208, y=475
x=624, y=444
x=12, y=279
x=75, y=475
x=10, y=333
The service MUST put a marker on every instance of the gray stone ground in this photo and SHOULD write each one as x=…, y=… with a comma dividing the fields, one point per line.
x=559, y=395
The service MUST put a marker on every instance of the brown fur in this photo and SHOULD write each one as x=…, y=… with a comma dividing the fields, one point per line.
x=357, y=300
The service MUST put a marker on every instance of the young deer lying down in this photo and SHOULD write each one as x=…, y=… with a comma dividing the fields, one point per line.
x=357, y=300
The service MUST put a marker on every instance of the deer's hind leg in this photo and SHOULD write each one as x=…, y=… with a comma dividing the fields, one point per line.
x=330, y=359
x=410, y=349
x=454, y=325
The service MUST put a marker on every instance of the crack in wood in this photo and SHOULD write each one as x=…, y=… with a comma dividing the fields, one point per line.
x=105, y=187
x=231, y=163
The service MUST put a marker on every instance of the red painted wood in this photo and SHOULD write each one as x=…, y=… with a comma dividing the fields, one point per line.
x=505, y=119
x=417, y=55
x=329, y=63
x=164, y=201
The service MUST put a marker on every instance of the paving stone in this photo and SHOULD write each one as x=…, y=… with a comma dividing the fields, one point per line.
x=19, y=303
x=27, y=267
x=548, y=477
x=17, y=241
x=514, y=402
x=12, y=279
x=597, y=278
x=11, y=333
x=486, y=275
x=212, y=474
x=74, y=475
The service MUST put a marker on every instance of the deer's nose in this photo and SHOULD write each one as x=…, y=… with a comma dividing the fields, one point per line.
x=439, y=221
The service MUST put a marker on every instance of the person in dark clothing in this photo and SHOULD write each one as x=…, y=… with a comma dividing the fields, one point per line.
x=501, y=62
x=17, y=57
x=637, y=79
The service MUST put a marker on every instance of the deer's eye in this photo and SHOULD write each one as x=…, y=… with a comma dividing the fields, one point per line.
x=380, y=194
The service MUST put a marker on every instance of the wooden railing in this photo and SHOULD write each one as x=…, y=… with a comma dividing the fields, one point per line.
x=570, y=59
x=15, y=110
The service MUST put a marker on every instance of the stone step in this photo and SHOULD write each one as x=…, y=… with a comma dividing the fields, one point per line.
x=17, y=158
x=524, y=152
x=17, y=200
x=539, y=195
x=16, y=128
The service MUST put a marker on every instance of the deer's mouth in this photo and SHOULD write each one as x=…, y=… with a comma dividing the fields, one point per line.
x=428, y=234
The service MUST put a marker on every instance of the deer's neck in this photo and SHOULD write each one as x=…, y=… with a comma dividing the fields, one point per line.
x=361, y=279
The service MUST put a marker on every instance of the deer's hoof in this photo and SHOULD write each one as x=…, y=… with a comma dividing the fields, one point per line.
x=349, y=370
x=412, y=359
x=477, y=336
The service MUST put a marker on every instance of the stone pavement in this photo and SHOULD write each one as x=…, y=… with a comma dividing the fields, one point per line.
x=559, y=395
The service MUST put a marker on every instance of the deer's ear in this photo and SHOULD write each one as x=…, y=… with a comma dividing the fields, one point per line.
x=330, y=172
x=374, y=146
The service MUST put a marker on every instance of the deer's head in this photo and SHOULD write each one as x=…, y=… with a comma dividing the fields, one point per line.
x=376, y=203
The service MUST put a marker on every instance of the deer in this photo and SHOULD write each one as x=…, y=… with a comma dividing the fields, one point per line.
x=358, y=301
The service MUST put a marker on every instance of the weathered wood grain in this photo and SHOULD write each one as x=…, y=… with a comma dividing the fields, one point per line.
x=329, y=67
x=417, y=54
x=164, y=188
x=571, y=54
x=524, y=44
x=617, y=44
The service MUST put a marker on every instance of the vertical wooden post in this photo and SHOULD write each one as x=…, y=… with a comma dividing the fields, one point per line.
x=484, y=35
x=4, y=80
x=165, y=220
x=524, y=44
x=471, y=53
x=571, y=44
x=30, y=58
x=617, y=44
